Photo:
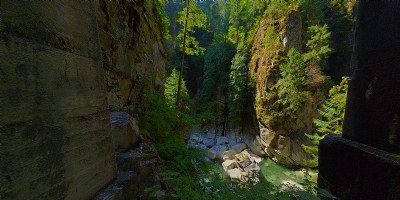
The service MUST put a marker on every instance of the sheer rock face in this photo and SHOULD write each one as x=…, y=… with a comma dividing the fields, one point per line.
x=55, y=139
x=133, y=53
x=373, y=109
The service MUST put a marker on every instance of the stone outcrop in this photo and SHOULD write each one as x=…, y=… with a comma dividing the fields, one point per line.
x=124, y=130
x=54, y=122
x=369, y=150
x=280, y=135
x=133, y=53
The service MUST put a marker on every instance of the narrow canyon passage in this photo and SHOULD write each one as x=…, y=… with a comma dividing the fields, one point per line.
x=199, y=99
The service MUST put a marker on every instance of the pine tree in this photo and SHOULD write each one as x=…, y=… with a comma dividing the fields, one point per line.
x=332, y=112
x=196, y=19
x=330, y=120
x=318, y=43
x=171, y=89
x=239, y=89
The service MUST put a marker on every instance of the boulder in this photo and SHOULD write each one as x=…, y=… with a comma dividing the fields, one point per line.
x=255, y=146
x=255, y=158
x=243, y=158
x=253, y=167
x=125, y=130
x=267, y=137
x=229, y=155
x=212, y=154
x=210, y=135
x=208, y=142
x=194, y=138
x=229, y=164
x=239, y=147
x=235, y=174
x=298, y=154
x=220, y=140
x=219, y=150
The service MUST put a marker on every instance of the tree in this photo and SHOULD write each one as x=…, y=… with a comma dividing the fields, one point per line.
x=318, y=44
x=217, y=62
x=332, y=112
x=330, y=120
x=195, y=18
x=189, y=44
x=171, y=89
x=292, y=84
x=239, y=89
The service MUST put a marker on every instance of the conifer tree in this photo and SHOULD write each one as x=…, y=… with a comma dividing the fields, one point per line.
x=330, y=120
x=291, y=85
x=171, y=89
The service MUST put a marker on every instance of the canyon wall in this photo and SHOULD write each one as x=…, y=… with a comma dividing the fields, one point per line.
x=133, y=52
x=55, y=130
x=63, y=67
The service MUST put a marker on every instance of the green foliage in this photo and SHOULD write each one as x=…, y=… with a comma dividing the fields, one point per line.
x=212, y=113
x=217, y=61
x=196, y=19
x=279, y=8
x=171, y=90
x=313, y=10
x=292, y=84
x=318, y=44
x=332, y=112
x=176, y=155
x=161, y=120
x=239, y=85
x=330, y=120
x=164, y=20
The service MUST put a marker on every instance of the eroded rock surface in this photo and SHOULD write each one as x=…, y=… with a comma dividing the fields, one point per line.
x=133, y=53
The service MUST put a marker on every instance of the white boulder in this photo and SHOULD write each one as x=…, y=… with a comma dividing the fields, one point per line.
x=235, y=174
x=229, y=164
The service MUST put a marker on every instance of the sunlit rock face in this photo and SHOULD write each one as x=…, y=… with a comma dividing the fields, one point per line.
x=281, y=136
x=133, y=53
x=55, y=139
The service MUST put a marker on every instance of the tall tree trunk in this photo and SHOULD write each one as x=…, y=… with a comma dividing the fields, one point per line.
x=178, y=96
